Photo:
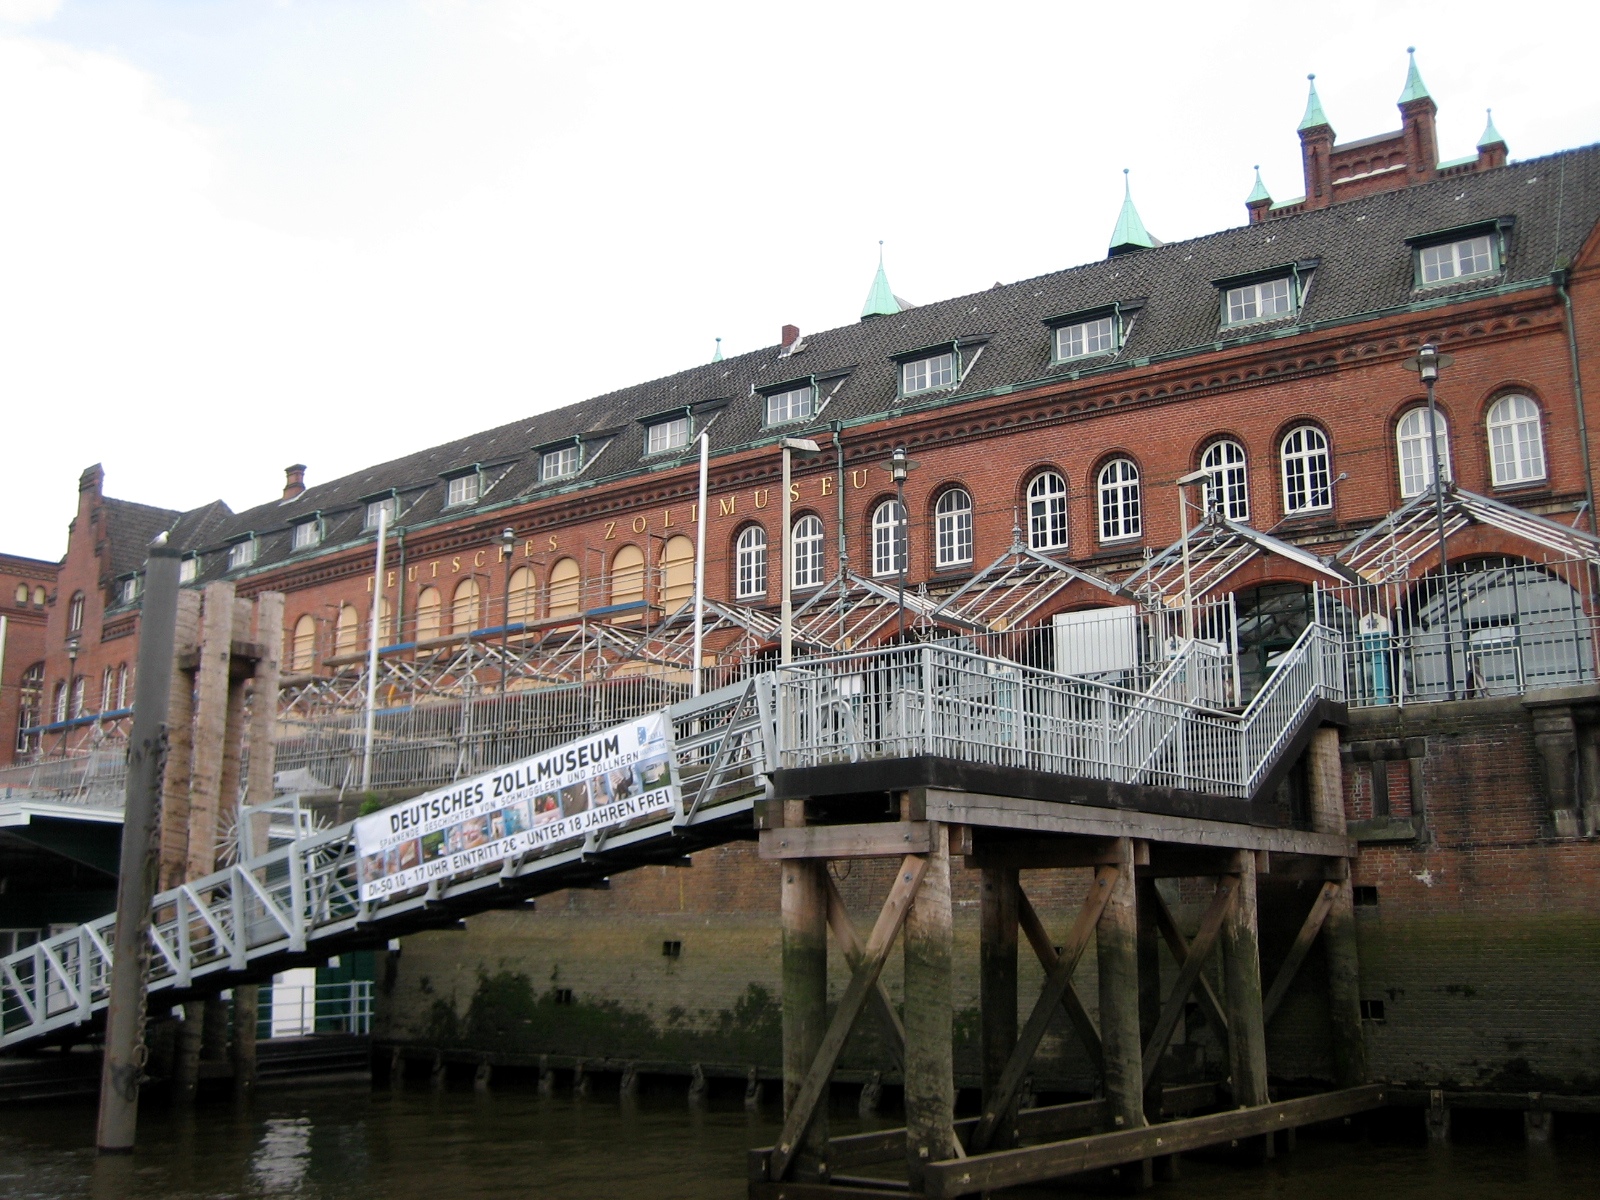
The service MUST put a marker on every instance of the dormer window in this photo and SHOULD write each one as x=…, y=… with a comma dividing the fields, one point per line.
x=463, y=489
x=1085, y=338
x=306, y=534
x=667, y=435
x=928, y=374
x=1259, y=301
x=796, y=404
x=560, y=463
x=389, y=504
x=129, y=590
x=189, y=569
x=1449, y=261
x=242, y=554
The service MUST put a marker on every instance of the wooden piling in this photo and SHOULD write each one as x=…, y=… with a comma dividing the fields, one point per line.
x=997, y=983
x=804, y=905
x=1117, y=949
x=246, y=1015
x=930, y=1094
x=186, y=1059
x=1325, y=787
x=1241, y=964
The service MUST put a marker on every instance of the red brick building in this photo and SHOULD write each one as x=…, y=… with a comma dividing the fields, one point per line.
x=26, y=586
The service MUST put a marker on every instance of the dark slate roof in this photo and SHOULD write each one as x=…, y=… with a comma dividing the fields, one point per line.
x=1363, y=265
x=130, y=527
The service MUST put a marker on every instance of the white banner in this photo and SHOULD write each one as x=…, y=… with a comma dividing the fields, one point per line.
x=606, y=779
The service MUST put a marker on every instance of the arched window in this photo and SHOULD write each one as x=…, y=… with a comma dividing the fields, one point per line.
x=464, y=607
x=1307, y=484
x=80, y=702
x=1227, y=488
x=38, y=597
x=122, y=686
x=952, y=528
x=108, y=689
x=30, y=707
x=807, y=552
x=428, y=614
x=1119, y=500
x=22, y=593
x=303, y=649
x=75, y=613
x=888, y=539
x=1516, y=444
x=677, y=574
x=627, y=575
x=750, y=562
x=58, y=703
x=1416, y=451
x=347, y=631
x=565, y=593
x=385, y=621
x=1047, y=511
x=520, y=607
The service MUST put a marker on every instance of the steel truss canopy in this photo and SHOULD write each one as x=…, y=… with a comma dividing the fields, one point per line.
x=1013, y=588
x=1217, y=548
x=850, y=611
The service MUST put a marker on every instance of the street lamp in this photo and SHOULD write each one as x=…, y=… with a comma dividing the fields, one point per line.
x=508, y=539
x=1185, y=481
x=786, y=620
x=1426, y=364
x=899, y=466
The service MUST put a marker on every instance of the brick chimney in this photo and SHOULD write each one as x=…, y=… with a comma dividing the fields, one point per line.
x=294, y=480
x=791, y=335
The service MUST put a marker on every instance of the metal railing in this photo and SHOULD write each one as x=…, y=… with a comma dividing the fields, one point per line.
x=298, y=1009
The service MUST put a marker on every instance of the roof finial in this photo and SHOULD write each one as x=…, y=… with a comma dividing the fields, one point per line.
x=1130, y=233
x=881, y=300
x=1314, y=117
x=1259, y=192
x=1415, y=88
x=717, y=357
x=1491, y=135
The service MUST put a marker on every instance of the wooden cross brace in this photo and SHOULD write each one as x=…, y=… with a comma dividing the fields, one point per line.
x=1039, y=938
x=1179, y=946
x=1189, y=973
x=1302, y=945
x=844, y=933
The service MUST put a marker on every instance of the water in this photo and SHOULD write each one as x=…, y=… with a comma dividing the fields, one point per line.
x=318, y=1143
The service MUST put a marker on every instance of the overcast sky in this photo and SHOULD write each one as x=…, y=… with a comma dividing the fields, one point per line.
x=237, y=234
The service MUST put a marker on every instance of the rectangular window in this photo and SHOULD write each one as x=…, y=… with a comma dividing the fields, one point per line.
x=1085, y=338
x=130, y=590
x=392, y=505
x=667, y=435
x=1455, y=260
x=1258, y=302
x=794, y=405
x=241, y=554
x=463, y=489
x=306, y=535
x=189, y=569
x=927, y=374
x=558, y=464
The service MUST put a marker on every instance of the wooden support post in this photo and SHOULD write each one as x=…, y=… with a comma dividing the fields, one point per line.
x=246, y=1015
x=997, y=983
x=1149, y=947
x=804, y=904
x=1325, y=785
x=930, y=1092
x=1117, y=948
x=186, y=1061
x=1241, y=963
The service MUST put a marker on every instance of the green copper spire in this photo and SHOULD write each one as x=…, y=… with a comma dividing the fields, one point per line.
x=1491, y=135
x=1313, y=118
x=1130, y=232
x=1259, y=192
x=880, y=300
x=1415, y=88
x=717, y=357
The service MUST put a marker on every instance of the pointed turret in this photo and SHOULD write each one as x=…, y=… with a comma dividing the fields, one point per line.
x=1259, y=200
x=881, y=300
x=1314, y=118
x=1130, y=233
x=717, y=357
x=1415, y=88
x=1491, y=135
x=1492, y=149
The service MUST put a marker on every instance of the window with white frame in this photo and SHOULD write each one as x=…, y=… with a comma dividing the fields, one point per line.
x=1097, y=336
x=807, y=543
x=463, y=490
x=129, y=591
x=928, y=374
x=794, y=405
x=241, y=554
x=122, y=685
x=389, y=504
x=667, y=435
x=1307, y=483
x=75, y=613
x=952, y=528
x=558, y=464
x=1456, y=260
x=1227, y=486
x=306, y=535
x=1414, y=445
x=1258, y=301
x=189, y=569
x=1516, y=443
x=750, y=554
x=1047, y=511
x=58, y=705
x=888, y=539
x=79, y=701
x=108, y=683
x=1119, y=500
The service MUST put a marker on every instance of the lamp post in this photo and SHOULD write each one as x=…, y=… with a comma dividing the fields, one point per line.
x=899, y=466
x=508, y=539
x=1426, y=364
x=1184, y=482
x=786, y=618
x=72, y=687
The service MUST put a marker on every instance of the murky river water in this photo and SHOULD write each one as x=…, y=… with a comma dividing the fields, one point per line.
x=330, y=1143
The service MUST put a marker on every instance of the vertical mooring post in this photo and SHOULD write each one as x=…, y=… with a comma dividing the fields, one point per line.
x=1117, y=951
x=1241, y=964
x=246, y=1015
x=930, y=1092
x=804, y=904
x=123, y=1065
x=1325, y=787
x=997, y=984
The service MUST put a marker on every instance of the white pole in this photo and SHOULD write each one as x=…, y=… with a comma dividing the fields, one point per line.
x=786, y=617
x=1183, y=525
x=372, y=649
x=700, y=563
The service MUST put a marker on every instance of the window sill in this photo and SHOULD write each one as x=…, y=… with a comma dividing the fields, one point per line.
x=956, y=573
x=1527, y=487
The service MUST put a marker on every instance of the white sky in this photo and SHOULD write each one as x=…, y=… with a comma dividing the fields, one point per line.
x=236, y=234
